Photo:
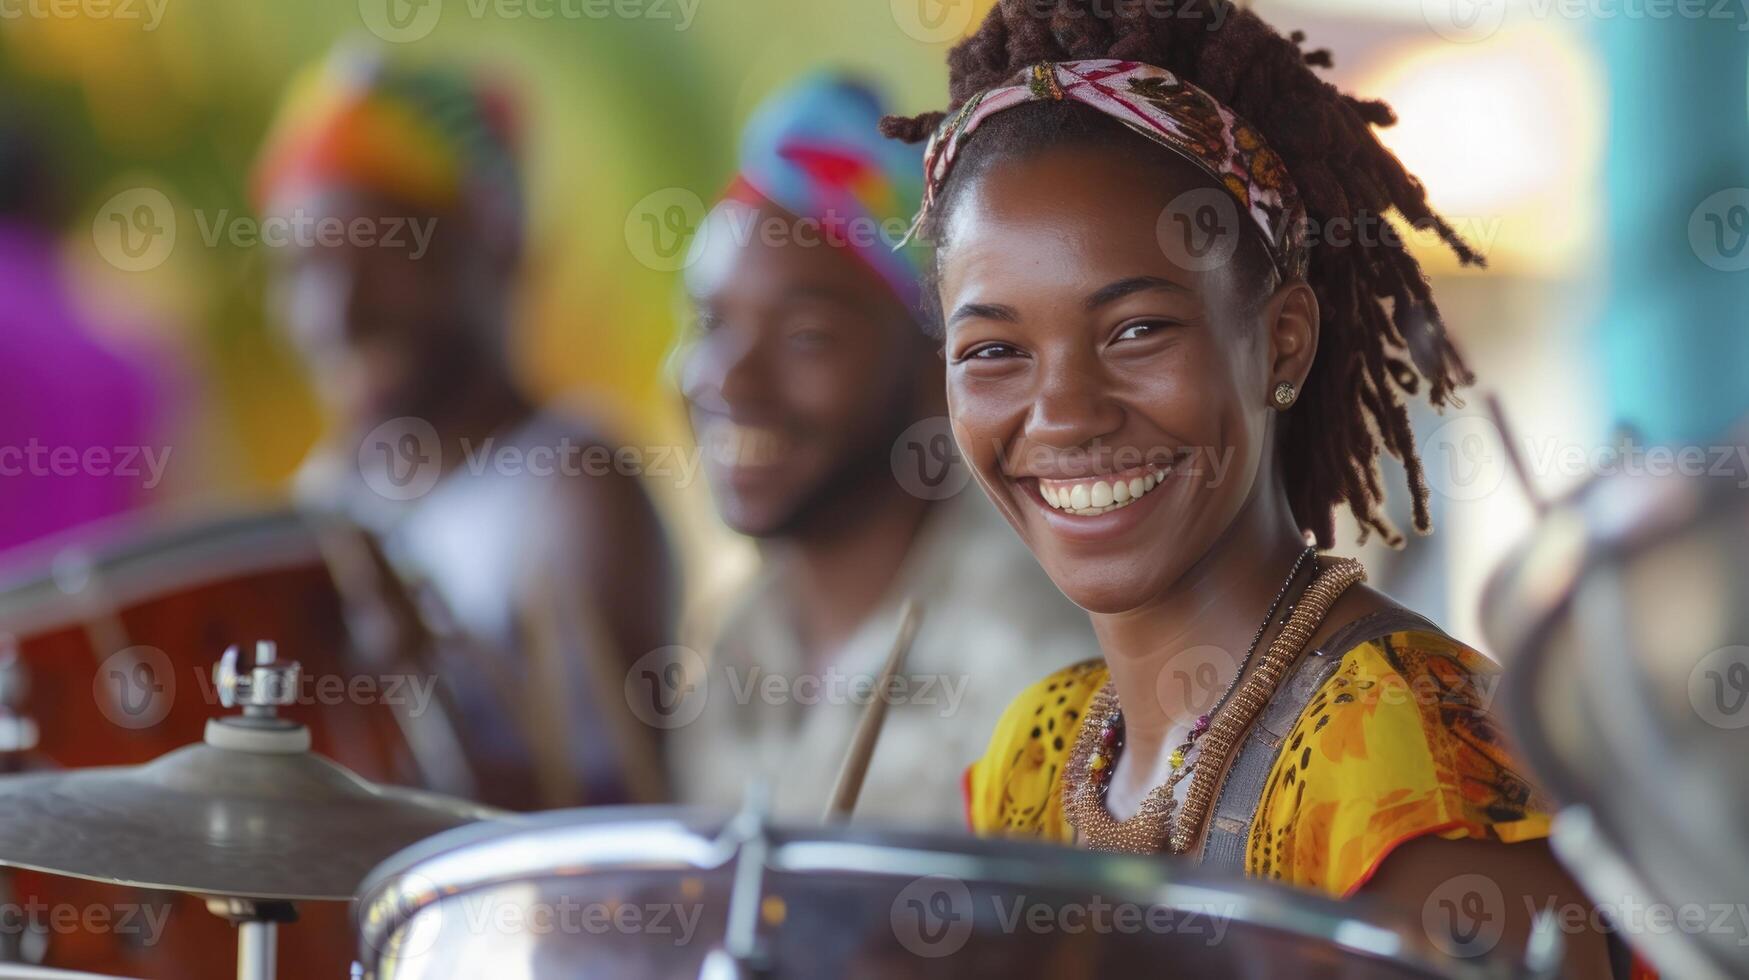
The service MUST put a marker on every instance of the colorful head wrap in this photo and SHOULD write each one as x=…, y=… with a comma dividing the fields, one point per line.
x=1160, y=106
x=429, y=135
x=815, y=150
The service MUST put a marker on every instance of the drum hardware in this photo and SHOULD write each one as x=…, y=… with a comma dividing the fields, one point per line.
x=169, y=584
x=257, y=932
x=18, y=730
x=745, y=954
x=249, y=819
x=868, y=728
x=75, y=573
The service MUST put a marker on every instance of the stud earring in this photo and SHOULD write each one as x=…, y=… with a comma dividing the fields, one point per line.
x=1285, y=394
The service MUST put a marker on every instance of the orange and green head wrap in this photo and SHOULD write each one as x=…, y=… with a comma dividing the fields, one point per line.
x=431, y=136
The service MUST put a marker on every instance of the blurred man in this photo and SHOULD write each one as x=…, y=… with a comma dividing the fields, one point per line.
x=819, y=404
x=396, y=195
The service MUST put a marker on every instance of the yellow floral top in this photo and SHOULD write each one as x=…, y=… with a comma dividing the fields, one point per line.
x=1398, y=743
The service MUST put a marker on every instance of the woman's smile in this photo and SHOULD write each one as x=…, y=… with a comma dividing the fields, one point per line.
x=1103, y=507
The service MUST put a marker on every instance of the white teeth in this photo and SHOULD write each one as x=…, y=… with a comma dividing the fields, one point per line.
x=1099, y=496
x=739, y=445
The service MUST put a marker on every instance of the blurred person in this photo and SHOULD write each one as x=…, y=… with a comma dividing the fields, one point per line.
x=82, y=416
x=398, y=292
x=806, y=373
x=1170, y=412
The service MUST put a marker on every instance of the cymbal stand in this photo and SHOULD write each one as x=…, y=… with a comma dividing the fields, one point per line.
x=259, y=691
x=257, y=923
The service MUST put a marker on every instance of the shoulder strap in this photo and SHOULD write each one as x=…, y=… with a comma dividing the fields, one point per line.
x=1236, y=804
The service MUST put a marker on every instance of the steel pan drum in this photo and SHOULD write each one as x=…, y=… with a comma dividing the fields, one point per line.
x=652, y=892
x=1624, y=621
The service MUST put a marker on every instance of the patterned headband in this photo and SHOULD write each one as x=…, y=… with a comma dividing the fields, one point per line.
x=1162, y=107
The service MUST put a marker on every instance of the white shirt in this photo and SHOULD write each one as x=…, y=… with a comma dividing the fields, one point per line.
x=992, y=624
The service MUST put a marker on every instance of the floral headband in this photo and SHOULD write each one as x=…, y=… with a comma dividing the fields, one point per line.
x=1160, y=106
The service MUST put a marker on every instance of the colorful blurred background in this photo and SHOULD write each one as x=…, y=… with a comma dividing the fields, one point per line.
x=1586, y=149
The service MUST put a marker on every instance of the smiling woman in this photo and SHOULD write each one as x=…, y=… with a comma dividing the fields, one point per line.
x=1168, y=370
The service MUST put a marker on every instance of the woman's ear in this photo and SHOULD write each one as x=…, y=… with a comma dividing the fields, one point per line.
x=1291, y=320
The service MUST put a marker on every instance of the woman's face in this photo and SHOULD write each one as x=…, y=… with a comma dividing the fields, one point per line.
x=1109, y=382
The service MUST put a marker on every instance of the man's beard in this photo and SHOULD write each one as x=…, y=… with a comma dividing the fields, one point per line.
x=856, y=476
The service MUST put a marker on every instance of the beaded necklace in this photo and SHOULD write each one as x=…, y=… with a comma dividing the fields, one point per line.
x=1087, y=777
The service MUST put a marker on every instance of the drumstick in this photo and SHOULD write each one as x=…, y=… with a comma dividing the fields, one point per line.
x=1509, y=439
x=868, y=730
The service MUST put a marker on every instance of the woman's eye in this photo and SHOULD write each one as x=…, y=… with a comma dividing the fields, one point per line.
x=989, y=352
x=1137, y=331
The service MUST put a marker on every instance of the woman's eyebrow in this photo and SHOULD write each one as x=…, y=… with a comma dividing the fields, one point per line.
x=984, y=311
x=1124, y=287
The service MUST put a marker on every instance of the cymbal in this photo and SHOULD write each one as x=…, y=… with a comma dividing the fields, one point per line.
x=218, y=821
x=24, y=971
